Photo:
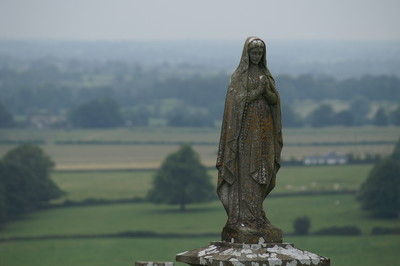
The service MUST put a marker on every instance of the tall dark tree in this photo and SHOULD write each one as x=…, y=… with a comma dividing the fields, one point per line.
x=18, y=183
x=3, y=204
x=395, y=116
x=182, y=179
x=100, y=113
x=26, y=175
x=380, y=192
x=344, y=118
x=6, y=119
x=360, y=107
x=396, y=152
x=301, y=225
x=380, y=118
x=322, y=116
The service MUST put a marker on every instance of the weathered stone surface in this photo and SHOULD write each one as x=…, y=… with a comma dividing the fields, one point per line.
x=154, y=263
x=248, y=235
x=268, y=254
x=249, y=148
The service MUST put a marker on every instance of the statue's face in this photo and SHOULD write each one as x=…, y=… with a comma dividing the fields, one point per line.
x=256, y=54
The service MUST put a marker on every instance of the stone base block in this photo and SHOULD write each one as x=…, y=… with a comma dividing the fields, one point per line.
x=243, y=234
x=268, y=254
x=154, y=263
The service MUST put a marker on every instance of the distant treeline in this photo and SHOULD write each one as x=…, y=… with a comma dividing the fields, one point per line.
x=123, y=93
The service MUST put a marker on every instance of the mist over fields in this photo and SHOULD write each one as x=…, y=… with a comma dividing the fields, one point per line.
x=340, y=59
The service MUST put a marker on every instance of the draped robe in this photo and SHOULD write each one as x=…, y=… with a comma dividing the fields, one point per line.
x=250, y=146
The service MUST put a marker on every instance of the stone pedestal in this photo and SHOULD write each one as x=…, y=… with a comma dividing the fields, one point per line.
x=268, y=254
x=154, y=263
x=243, y=234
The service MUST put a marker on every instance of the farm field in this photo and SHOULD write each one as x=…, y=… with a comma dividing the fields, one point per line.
x=109, y=170
x=145, y=148
x=81, y=185
x=343, y=251
x=68, y=223
x=323, y=211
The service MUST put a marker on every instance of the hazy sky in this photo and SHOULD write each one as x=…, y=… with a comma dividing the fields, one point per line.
x=200, y=19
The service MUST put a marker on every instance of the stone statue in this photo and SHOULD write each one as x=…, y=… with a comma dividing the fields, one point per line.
x=249, y=148
x=248, y=160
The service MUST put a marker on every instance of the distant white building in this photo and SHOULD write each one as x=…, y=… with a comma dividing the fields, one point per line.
x=330, y=158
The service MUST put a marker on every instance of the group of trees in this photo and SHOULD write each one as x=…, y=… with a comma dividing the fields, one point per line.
x=6, y=119
x=182, y=179
x=356, y=115
x=140, y=94
x=98, y=113
x=25, y=182
x=379, y=194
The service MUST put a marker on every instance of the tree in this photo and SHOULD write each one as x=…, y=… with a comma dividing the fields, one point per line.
x=396, y=152
x=100, y=113
x=3, y=205
x=182, y=179
x=25, y=177
x=301, y=225
x=380, y=192
x=6, y=119
x=380, y=118
x=322, y=116
x=360, y=107
x=395, y=116
x=344, y=118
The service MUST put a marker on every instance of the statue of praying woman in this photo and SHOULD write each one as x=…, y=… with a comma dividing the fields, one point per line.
x=250, y=148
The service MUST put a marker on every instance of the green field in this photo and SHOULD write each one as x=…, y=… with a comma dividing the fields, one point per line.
x=157, y=142
x=343, y=251
x=324, y=211
x=81, y=185
x=105, y=183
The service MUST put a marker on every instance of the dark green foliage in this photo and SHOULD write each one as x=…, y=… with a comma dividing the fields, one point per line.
x=351, y=230
x=182, y=179
x=343, y=118
x=360, y=108
x=395, y=116
x=3, y=206
x=53, y=87
x=380, y=192
x=301, y=225
x=19, y=194
x=25, y=180
x=322, y=116
x=380, y=118
x=100, y=113
x=6, y=119
x=396, y=152
x=385, y=231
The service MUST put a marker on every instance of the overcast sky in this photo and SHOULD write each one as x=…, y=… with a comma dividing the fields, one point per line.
x=200, y=19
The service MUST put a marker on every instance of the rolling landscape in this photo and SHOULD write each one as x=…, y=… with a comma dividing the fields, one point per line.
x=52, y=93
x=102, y=219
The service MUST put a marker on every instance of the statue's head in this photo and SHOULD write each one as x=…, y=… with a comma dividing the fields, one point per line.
x=256, y=51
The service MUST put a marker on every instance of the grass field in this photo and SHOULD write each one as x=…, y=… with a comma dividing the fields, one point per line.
x=103, y=184
x=81, y=185
x=323, y=210
x=145, y=156
x=343, y=251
